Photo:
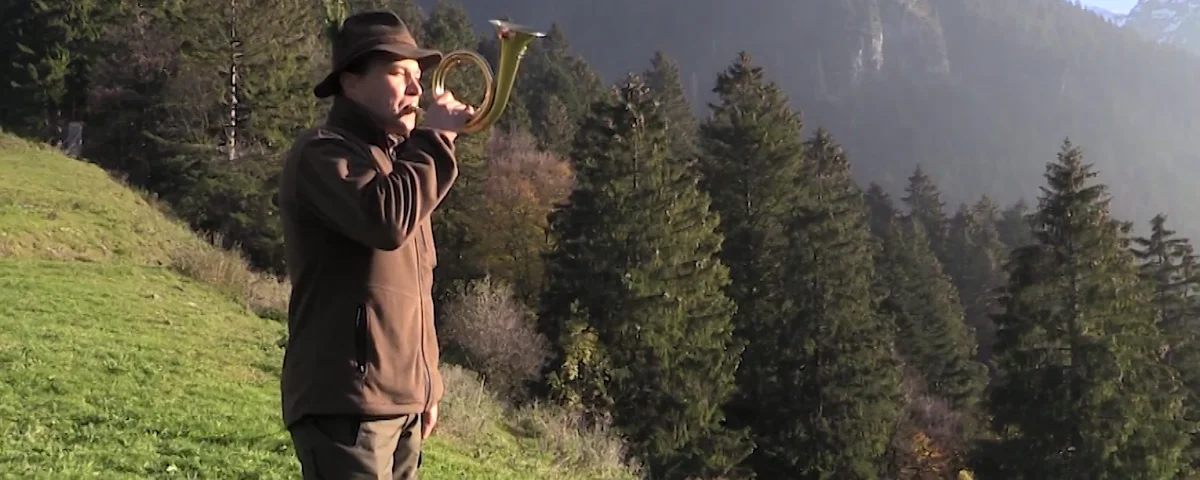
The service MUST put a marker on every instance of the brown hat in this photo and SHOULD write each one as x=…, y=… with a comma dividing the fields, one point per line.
x=377, y=31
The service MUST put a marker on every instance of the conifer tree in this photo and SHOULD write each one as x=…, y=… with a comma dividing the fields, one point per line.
x=1163, y=256
x=636, y=299
x=47, y=52
x=278, y=71
x=448, y=27
x=556, y=127
x=1081, y=391
x=516, y=116
x=881, y=211
x=550, y=71
x=931, y=333
x=832, y=397
x=189, y=122
x=126, y=97
x=1168, y=265
x=925, y=204
x=975, y=258
x=751, y=166
x=1013, y=226
x=664, y=80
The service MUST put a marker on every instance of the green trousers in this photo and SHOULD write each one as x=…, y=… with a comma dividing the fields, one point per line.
x=335, y=447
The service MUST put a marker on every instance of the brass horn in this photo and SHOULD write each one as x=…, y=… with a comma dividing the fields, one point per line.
x=514, y=40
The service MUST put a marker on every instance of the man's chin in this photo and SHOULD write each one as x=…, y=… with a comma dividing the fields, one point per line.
x=408, y=122
x=400, y=125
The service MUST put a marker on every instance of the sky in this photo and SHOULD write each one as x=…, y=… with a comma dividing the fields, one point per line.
x=1118, y=6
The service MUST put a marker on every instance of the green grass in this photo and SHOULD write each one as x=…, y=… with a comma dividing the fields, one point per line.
x=52, y=207
x=128, y=349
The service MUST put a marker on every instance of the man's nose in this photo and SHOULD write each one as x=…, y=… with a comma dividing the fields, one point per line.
x=414, y=88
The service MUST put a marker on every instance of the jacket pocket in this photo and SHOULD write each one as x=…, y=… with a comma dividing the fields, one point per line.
x=398, y=371
x=360, y=341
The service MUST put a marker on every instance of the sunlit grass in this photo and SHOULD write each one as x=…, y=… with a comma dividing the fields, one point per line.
x=130, y=348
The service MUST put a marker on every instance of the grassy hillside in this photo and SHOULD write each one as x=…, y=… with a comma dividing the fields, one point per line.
x=130, y=348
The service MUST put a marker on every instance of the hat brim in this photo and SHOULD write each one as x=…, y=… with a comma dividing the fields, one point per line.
x=428, y=59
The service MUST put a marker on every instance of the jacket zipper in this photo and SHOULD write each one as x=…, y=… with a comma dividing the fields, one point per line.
x=360, y=341
x=424, y=361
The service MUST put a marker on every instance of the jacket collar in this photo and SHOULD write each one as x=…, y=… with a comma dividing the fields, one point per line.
x=360, y=122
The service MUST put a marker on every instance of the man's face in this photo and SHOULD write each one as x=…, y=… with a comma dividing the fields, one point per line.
x=390, y=89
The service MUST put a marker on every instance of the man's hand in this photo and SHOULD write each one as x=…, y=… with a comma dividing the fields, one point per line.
x=448, y=115
x=428, y=421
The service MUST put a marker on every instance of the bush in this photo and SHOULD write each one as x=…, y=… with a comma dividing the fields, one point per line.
x=575, y=439
x=932, y=439
x=493, y=334
x=228, y=271
x=470, y=411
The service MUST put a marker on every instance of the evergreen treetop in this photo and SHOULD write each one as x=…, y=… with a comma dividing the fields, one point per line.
x=833, y=349
x=638, y=259
x=1077, y=338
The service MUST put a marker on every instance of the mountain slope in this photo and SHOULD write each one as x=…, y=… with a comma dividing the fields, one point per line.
x=1115, y=18
x=981, y=93
x=1175, y=22
x=115, y=365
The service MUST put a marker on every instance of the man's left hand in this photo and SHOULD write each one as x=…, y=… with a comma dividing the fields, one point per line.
x=448, y=115
x=428, y=421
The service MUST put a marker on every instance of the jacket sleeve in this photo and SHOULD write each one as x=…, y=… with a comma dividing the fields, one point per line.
x=427, y=147
x=381, y=210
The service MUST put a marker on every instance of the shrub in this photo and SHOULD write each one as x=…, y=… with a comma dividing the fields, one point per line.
x=931, y=440
x=470, y=412
x=229, y=272
x=493, y=334
x=575, y=440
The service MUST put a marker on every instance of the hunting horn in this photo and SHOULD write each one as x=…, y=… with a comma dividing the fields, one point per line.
x=514, y=40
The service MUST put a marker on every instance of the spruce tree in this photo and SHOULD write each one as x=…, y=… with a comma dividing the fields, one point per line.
x=128, y=96
x=1168, y=266
x=447, y=28
x=277, y=70
x=751, y=165
x=975, y=258
x=48, y=49
x=1013, y=226
x=925, y=204
x=549, y=71
x=189, y=162
x=1163, y=256
x=556, y=127
x=636, y=299
x=1081, y=391
x=830, y=398
x=664, y=80
x=881, y=211
x=516, y=116
x=931, y=333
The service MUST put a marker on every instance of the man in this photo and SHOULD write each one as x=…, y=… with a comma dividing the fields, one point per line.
x=360, y=373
